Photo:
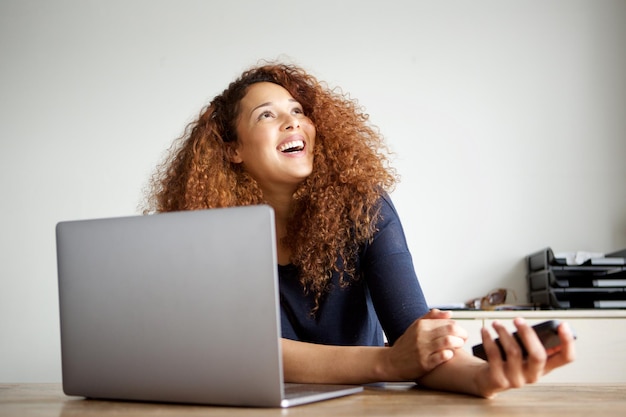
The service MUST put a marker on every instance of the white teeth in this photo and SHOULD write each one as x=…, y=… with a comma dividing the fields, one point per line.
x=291, y=146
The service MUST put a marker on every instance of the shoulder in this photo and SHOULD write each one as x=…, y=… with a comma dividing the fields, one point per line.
x=388, y=236
x=386, y=210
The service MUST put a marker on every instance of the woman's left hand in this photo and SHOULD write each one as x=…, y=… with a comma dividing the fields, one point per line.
x=498, y=375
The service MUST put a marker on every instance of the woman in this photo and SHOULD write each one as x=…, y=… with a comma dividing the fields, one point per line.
x=278, y=136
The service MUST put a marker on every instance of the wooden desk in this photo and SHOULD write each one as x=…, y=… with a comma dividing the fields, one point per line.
x=42, y=400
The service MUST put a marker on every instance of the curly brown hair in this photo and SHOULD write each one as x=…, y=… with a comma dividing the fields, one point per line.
x=334, y=210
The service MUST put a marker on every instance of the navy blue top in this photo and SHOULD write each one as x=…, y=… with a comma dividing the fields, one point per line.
x=388, y=294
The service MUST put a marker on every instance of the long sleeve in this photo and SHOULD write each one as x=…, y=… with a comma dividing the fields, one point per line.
x=388, y=267
x=387, y=292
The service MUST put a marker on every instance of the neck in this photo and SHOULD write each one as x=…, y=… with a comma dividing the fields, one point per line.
x=281, y=203
x=282, y=207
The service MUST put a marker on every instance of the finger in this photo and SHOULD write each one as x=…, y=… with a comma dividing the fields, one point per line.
x=537, y=355
x=567, y=351
x=494, y=357
x=443, y=328
x=447, y=342
x=508, y=343
x=492, y=350
x=567, y=337
x=435, y=313
x=437, y=358
x=529, y=339
x=439, y=335
x=513, y=366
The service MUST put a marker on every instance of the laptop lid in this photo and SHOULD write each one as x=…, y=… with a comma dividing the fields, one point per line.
x=174, y=307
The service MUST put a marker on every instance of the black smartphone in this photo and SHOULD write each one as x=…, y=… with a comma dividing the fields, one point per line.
x=546, y=331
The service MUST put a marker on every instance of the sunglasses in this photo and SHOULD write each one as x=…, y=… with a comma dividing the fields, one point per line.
x=490, y=301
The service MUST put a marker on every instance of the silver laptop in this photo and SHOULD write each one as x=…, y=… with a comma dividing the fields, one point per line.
x=176, y=307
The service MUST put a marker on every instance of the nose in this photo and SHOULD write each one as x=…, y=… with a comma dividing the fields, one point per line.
x=291, y=122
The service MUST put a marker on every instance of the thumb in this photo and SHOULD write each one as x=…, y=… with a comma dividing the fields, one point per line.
x=435, y=313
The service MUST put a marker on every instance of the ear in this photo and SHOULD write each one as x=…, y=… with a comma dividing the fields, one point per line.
x=233, y=154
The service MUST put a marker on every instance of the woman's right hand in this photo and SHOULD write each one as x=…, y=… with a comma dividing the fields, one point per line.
x=430, y=341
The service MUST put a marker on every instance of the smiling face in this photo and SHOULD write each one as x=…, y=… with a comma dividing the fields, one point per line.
x=275, y=138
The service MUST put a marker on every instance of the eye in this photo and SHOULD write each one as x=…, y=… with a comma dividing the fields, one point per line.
x=265, y=115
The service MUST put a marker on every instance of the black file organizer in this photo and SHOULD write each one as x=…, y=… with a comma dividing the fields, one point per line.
x=554, y=284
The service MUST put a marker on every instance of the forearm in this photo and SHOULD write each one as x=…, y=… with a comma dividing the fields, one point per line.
x=315, y=363
x=327, y=364
x=460, y=374
x=410, y=357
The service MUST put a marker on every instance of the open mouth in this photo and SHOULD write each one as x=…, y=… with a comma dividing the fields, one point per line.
x=292, y=146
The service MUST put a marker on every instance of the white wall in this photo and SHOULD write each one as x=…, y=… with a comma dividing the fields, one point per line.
x=507, y=117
